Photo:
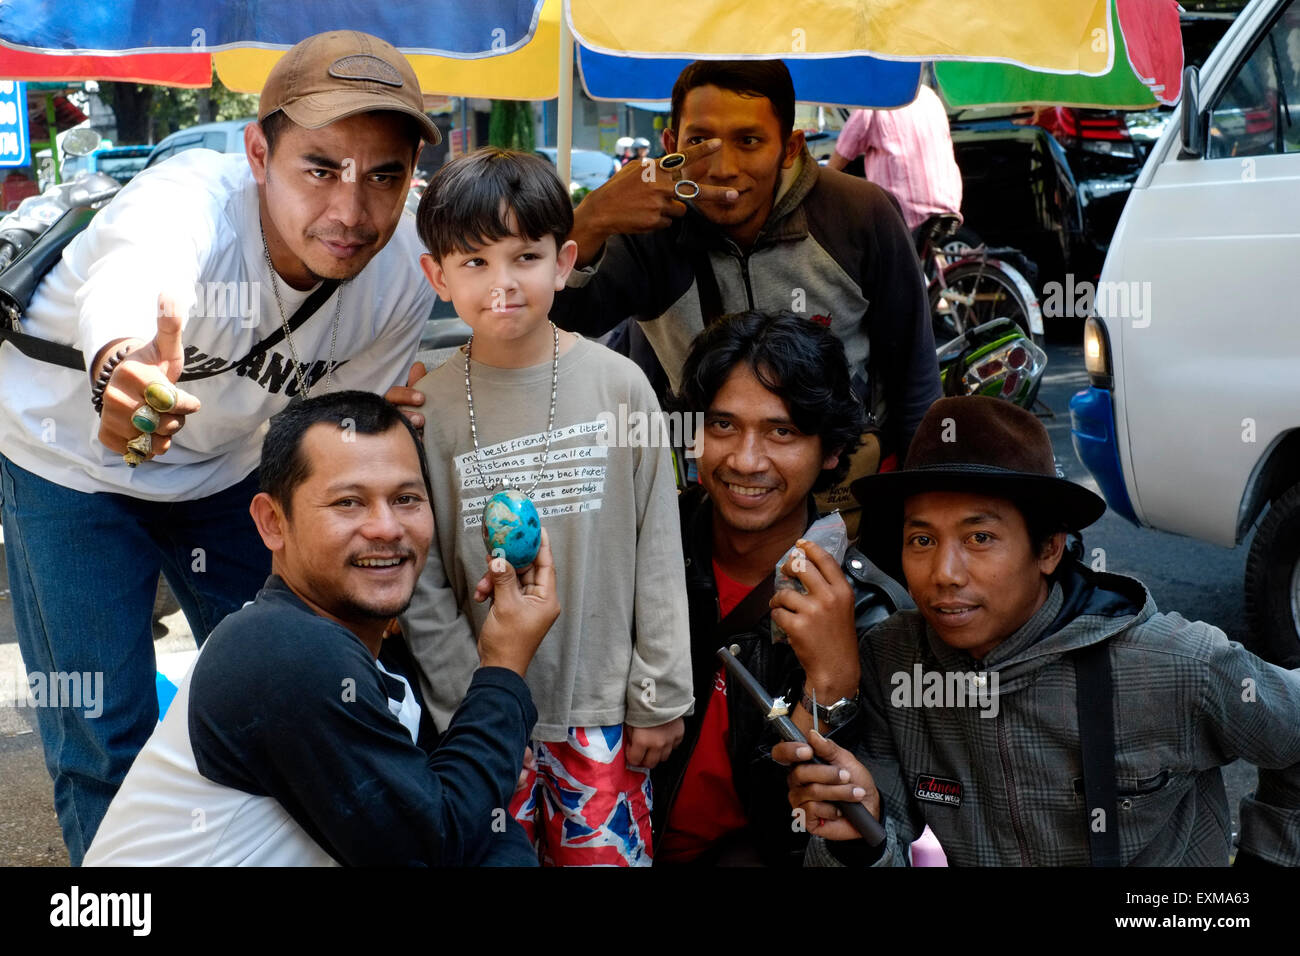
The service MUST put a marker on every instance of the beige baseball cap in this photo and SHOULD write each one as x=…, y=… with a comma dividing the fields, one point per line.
x=334, y=75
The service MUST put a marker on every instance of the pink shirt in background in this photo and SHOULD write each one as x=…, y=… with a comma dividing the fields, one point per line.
x=909, y=152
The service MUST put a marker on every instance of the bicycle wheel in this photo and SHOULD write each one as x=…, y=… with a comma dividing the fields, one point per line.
x=976, y=292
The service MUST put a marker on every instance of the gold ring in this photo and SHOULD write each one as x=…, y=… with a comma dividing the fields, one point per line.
x=673, y=164
x=131, y=458
x=142, y=445
x=145, y=418
x=161, y=396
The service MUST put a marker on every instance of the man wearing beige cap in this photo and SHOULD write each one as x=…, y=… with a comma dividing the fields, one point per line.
x=211, y=292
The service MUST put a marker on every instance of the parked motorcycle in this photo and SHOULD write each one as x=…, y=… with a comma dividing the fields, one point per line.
x=998, y=359
x=35, y=214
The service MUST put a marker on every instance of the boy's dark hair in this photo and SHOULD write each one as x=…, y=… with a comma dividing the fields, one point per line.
x=466, y=203
x=284, y=467
x=766, y=78
x=276, y=123
x=794, y=358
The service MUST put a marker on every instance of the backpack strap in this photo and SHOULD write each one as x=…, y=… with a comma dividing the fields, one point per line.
x=1094, y=701
x=861, y=568
x=20, y=279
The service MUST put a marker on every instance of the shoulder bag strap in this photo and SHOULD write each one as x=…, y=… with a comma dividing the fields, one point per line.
x=43, y=350
x=1094, y=700
x=54, y=353
x=305, y=312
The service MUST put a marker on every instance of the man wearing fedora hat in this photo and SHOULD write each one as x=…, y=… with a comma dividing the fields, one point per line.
x=1031, y=710
x=212, y=291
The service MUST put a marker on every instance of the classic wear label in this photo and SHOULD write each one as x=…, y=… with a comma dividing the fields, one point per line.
x=938, y=790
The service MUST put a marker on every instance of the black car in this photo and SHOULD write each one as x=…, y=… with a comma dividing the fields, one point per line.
x=1053, y=181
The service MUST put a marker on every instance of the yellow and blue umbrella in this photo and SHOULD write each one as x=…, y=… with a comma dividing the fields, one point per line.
x=844, y=52
x=1119, y=53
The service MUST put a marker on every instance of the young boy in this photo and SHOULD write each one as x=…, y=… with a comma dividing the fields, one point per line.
x=523, y=401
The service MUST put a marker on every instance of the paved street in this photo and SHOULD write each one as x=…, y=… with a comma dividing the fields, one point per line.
x=1199, y=580
x=29, y=831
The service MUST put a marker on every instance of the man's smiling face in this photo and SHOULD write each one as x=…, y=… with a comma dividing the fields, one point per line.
x=755, y=463
x=331, y=197
x=359, y=530
x=751, y=158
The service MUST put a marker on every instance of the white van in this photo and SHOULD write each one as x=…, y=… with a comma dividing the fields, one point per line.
x=1192, y=420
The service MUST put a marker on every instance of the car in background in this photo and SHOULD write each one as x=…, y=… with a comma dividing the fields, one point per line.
x=226, y=136
x=1053, y=181
x=821, y=142
x=120, y=162
x=588, y=168
x=1191, y=421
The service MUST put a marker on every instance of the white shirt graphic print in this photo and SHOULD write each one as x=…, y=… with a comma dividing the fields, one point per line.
x=573, y=482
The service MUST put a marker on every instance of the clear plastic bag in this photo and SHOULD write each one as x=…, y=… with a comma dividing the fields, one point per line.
x=830, y=533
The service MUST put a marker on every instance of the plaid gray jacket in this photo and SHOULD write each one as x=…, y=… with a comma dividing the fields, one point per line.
x=998, y=775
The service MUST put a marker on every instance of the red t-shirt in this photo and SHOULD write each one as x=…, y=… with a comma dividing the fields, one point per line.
x=707, y=806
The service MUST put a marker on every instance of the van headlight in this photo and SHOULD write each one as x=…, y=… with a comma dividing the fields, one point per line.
x=1096, y=353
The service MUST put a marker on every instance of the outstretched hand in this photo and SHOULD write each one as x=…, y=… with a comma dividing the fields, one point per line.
x=158, y=360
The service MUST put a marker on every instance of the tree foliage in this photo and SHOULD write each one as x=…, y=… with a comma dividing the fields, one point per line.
x=145, y=114
x=510, y=125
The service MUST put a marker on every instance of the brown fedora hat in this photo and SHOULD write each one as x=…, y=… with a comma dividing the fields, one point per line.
x=983, y=446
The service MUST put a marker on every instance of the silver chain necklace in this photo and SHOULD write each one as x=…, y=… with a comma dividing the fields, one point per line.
x=550, y=421
x=288, y=337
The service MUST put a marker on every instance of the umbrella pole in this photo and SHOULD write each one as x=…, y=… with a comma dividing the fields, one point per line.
x=564, y=117
x=54, y=139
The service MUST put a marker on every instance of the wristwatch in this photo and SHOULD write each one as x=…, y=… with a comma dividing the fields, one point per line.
x=835, y=715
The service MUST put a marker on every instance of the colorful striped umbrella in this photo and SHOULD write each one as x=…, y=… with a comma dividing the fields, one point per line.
x=1117, y=53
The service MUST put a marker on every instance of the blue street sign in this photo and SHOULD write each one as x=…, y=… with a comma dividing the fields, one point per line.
x=15, y=148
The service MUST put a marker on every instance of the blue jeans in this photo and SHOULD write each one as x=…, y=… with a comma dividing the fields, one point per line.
x=83, y=570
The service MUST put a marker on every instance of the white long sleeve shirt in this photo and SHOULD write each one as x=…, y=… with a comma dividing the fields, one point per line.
x=189, y=226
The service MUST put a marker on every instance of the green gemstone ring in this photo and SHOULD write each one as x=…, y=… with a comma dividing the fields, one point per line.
x=145, y=418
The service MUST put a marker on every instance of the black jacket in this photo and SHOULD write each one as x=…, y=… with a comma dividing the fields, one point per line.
x=760, y=782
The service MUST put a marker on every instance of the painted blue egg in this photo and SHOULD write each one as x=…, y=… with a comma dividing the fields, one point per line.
x=511, y=526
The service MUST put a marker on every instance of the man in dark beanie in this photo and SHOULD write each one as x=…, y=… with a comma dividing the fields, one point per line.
x=1031, y=710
